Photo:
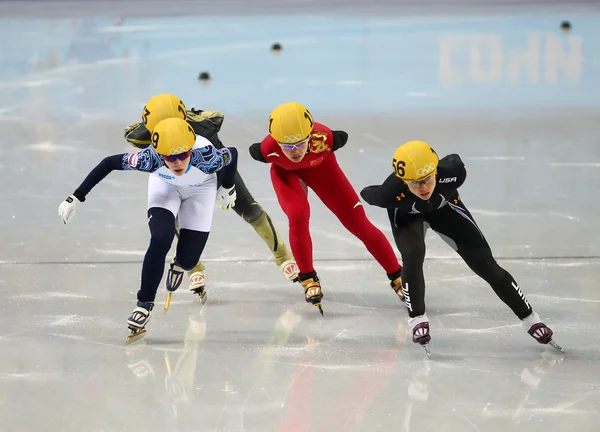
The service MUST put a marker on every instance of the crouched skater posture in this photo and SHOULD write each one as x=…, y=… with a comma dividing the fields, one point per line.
x=182, y=185
x=421, y=193
x=208, y=124
x=301, y=154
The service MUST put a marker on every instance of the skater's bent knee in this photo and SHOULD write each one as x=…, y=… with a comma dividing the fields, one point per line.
x=189, y=248
x=249, y=210
x=187, y=262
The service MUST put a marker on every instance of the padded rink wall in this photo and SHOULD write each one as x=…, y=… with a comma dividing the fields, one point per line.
x=343, y=64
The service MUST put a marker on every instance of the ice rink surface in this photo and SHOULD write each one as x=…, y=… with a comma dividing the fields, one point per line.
x=256, y=357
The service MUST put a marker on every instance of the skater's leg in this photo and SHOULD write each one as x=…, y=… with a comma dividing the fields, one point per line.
x=458, y=228
x=195, y=221
x=163, y=207
x=248, y=209
x=162, y=232
x=189, y=247
x=332, y=186
x=292, y=196
x=409, y=234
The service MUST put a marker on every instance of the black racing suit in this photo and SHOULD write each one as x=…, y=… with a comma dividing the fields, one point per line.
x=446, y=214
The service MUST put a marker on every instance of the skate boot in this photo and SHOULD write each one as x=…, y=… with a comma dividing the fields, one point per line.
x=198, y=285
x=138, y=320
x=420, y=331
x=312, y=291
x=290, y=270
x=174, y=279
x=540, y=331
x=174, y=276
x=396, y=285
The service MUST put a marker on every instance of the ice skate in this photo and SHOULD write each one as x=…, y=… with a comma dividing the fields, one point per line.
x=312, y=292
x=540, y=331
x=174, y=276
x=138, y=320
x=198, y=285
x=174, y=279
x=420, y=330
x=543, y=334
x=396, y=285
x=290, y=270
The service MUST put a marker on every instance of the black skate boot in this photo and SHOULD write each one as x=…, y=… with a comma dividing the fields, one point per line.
x=312, y=291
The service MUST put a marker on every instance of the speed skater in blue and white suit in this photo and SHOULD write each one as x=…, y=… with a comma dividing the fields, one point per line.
x=183, y=185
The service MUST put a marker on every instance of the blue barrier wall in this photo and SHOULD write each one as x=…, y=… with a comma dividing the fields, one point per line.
x=343, y=64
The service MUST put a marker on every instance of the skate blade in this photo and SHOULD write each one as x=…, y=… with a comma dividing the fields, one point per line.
x=135, y=335
x=556, y=346
x=203, y=298
x=168, y=301
x=319, y=306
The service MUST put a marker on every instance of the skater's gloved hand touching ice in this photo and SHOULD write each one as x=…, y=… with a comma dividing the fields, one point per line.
x=66, y=209
x=227, y=196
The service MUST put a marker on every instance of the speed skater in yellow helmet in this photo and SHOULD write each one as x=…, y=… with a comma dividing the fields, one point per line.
x=290, y=123
x=161, y=107
x=414, y=161
x=173, y=136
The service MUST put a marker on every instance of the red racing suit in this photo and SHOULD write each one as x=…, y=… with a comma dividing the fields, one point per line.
x=320, y=172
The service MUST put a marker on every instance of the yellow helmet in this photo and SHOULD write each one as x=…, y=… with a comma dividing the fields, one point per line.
x=160, y=107
x=415, y=160
x=290, y=123
x=173, y=136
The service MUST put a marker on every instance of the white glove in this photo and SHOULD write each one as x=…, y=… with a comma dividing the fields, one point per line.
x=66, y=209
x=228, y=197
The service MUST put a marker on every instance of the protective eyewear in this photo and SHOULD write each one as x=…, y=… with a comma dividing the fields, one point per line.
x=180, y=156
x=424, y=181
x=293, y=146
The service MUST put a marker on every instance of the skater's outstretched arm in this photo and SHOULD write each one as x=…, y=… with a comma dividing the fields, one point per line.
x=387, y=195
x=146, y=160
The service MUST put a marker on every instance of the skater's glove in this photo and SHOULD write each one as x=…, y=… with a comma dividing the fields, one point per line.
x=66, y=209
x=227, y=196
